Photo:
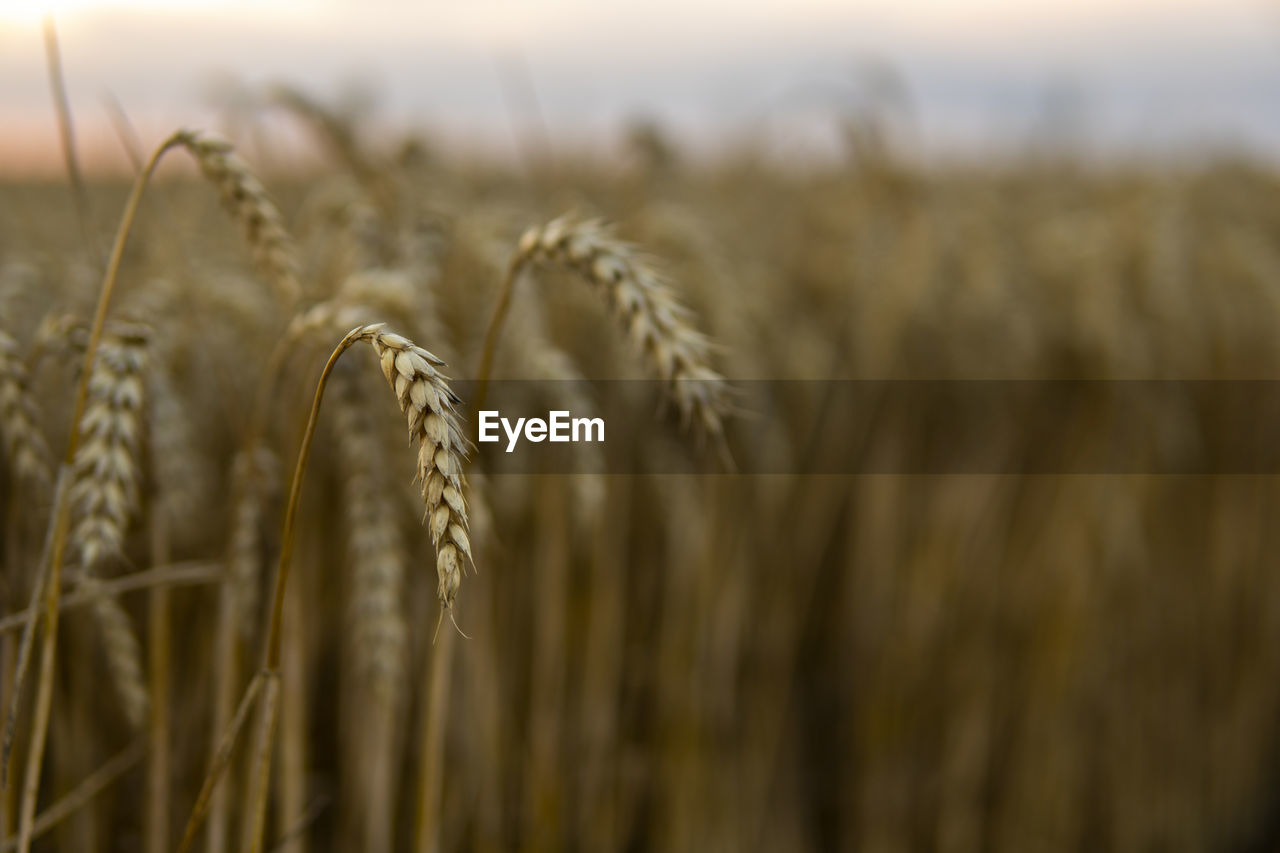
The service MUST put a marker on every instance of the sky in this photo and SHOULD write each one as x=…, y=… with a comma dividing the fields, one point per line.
x=951, y=77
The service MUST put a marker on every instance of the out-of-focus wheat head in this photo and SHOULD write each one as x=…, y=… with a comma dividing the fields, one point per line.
x=105, y=490
x=247, y=201
x=26, y=451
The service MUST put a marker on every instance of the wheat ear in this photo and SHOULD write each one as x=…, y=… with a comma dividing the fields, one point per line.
x=659, y=326
x=429, y=407
x=25, y=448
x=247, y=201
x=104, y=496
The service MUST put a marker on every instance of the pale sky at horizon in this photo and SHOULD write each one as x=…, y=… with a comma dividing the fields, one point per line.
x=1159, y=75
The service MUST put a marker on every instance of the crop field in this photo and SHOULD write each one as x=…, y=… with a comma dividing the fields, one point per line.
x=787, y=609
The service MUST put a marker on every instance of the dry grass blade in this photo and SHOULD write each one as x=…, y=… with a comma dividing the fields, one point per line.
x=77, y=799
x=193, y=573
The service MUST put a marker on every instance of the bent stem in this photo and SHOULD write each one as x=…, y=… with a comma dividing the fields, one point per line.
x=495, y=327
x=227, y=656
x=254, y=830
x=62, y=510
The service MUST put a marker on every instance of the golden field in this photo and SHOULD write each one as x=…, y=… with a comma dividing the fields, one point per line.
x=910, y=659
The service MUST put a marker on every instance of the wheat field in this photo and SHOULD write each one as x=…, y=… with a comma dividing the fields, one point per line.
x=673, y=645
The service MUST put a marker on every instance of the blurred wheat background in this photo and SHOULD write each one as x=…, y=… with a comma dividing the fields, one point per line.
x=652, y=661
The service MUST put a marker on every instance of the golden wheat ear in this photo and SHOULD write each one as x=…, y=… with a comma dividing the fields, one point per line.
x=659, y=327
x=429, y=406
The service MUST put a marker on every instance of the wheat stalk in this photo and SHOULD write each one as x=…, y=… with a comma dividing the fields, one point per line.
x=25, y=449
x=428, y=404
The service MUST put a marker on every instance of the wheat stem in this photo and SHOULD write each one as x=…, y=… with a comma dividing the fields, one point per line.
x=158, y=770
x=218, y=766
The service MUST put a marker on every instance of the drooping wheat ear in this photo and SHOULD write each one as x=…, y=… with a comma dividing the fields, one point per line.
x=658, y=325
x=379, y=632
x=336, y=132
x=429, y=406
x=106, y=480
x=27, y=453
x=246, y=199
